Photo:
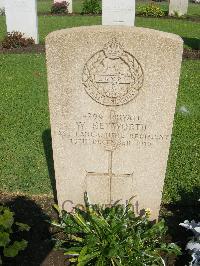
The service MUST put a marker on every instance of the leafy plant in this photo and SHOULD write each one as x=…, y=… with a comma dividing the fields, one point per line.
x=60, y=8
x=91, y=7
x=16, y=39
x=151, y=10
x=194, y=244
x=99, y=235
x=8, y=228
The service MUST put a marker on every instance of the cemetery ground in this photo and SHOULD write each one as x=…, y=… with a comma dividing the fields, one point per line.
x=27, y=182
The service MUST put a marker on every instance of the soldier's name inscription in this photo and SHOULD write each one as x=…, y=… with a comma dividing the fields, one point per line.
x=113, y=128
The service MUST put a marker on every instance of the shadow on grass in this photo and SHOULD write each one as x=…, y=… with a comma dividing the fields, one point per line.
x=47, y=143
x=39, y=238
x=187, y=208
x=193, y=43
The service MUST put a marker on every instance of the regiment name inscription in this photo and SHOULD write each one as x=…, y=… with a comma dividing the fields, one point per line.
x=116, y=129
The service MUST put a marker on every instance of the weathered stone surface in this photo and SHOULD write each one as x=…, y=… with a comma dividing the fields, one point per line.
x=2, y=4
x=118, y=12
x=21, y=15
x=178, y=7
x=70, y=8
x=112, y=97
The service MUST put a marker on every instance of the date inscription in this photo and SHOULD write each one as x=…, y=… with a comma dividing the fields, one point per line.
x=112, y=130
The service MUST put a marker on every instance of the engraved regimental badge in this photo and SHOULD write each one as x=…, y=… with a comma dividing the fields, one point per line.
x=113, y=76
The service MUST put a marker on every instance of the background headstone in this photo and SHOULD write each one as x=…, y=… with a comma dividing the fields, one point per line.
x=21, y=15
x=2, y=4
x=178, y=7
x=112, y=105
x=118, y=12
x=70, y=8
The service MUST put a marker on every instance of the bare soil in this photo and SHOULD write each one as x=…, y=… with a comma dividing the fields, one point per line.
x=191, y=54
x=36, y=49
x=35, y=211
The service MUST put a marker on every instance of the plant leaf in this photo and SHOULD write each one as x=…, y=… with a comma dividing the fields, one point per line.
x=87, y=258
x=13, y=250
x=4, y=239
x=23, y=227
x=6, y=219
x=73, y=251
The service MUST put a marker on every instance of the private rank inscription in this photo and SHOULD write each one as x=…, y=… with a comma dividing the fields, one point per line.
x=112, y=130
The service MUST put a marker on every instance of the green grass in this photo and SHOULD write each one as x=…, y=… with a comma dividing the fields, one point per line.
x=24, y=116
x=44, y=6
x=194, y=10
x=183, y=172
x=189, y=31
x=25, y=121
x=186, y=29
x=49, y=24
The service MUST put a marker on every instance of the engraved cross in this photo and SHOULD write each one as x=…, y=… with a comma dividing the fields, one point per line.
x=109, y=174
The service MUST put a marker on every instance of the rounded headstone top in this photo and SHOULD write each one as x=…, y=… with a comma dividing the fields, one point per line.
x=115, y=29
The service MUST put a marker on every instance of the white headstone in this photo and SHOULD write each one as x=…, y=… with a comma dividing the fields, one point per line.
x=2, y=4
x=178, y=7
x=112, y=104
x=118, y=12
x=70, y=9
x=21, y=15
